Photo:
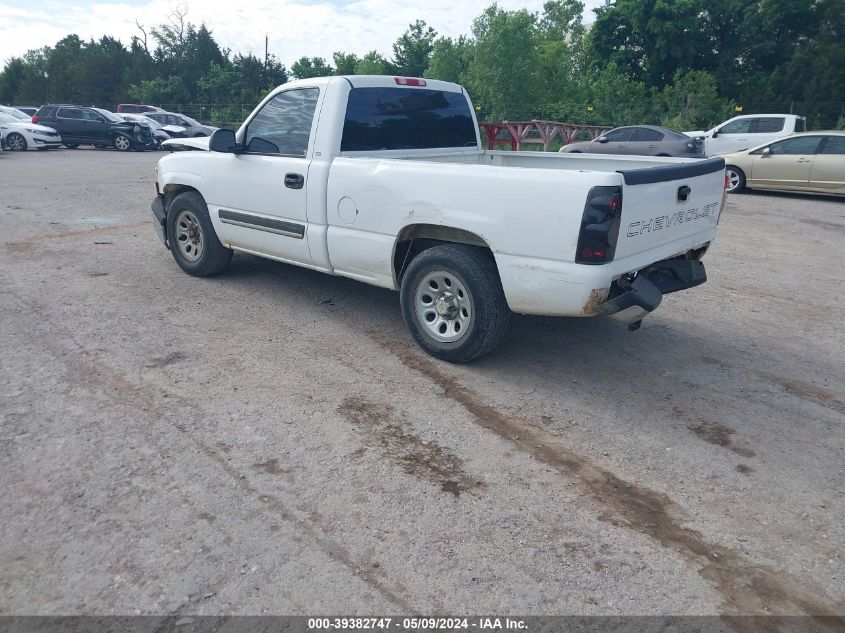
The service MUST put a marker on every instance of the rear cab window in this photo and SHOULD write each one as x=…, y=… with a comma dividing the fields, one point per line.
x=406, y=118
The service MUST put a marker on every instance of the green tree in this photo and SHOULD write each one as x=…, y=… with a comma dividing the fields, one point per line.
x=450, y=59
x=692, y=101
x=412, y=51
x=306, y=67
x=503, y=74
x=373, y=63
x=168, y=91
x=561, y=51
x=345, y=63
x=651, y=40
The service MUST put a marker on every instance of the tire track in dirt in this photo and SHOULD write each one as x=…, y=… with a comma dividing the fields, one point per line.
x=747, y=587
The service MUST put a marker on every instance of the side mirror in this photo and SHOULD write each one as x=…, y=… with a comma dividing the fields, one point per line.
x=767, y=151
x=601, y=139
x=715, y=133
x=223, y=140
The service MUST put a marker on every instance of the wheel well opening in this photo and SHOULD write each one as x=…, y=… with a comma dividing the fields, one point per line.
x=414, y=239
x=171, y=191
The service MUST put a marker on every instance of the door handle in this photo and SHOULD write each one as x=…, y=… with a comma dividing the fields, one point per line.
x=294, y=181
x=803, y=160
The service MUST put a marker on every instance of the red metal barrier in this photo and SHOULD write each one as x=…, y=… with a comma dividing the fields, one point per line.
x=518, y=132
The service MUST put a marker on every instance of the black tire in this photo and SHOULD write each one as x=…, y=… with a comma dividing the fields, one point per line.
x=214, y=258
x=473, y=269
x=735, y=185
x=16, y=142
x=71, y=145
x=122, y=143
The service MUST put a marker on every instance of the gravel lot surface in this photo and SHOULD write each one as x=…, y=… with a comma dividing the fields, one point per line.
x=270, y=440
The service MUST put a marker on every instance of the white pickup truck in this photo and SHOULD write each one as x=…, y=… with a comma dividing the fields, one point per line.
x=384, y=180
x=748, y=130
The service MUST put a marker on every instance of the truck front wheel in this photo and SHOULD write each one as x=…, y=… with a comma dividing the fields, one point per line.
x=192, y=239
x=453, y=302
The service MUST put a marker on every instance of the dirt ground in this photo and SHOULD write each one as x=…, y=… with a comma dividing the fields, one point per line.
x=270, y=440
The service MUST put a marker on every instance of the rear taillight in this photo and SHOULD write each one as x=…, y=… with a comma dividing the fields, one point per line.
x=600, y=226
x=35, y=118
x=409, y=81
x=727, y=180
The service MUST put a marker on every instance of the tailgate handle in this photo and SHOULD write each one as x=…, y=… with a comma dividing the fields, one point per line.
x=683, y=193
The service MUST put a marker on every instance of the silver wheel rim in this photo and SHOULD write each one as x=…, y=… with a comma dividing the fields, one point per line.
x=189, y=236
x=443, y=306
x=121, y=143
x=733, y=180
x=16, y=143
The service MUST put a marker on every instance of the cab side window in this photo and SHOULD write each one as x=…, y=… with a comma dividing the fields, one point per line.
x=645, y=134
x=796, y=146
x=736, y=127
x=620, y=136
x=769, y=124
x=69, y=113
x=834, y=145
x=283, y=125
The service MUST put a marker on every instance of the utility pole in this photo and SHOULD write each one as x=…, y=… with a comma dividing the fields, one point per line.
x=266, y=50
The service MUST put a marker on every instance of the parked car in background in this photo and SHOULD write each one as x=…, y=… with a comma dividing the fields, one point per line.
x=81, y=125
x=21, y=135
x=173, y=131
x=812, y=162
x=748, y=130
x=28, y=110
x=640, y=140
x=137, y=108
x=18, y=114
x=192, y=127
x=160, y=132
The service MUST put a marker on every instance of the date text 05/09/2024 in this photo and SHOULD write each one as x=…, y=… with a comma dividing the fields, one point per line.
x=415, y=624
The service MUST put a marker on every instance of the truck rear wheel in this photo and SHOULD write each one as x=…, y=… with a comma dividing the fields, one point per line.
x=192, y=239
x=453, y=302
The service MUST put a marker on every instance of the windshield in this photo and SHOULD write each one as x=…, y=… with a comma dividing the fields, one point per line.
x=17, y=114
x=137, y=118
x=7, y=118
x=189, y=120
x=148, y=121
x=111, y=116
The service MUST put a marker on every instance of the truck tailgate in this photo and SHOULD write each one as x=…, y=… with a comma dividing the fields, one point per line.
x=672, y=203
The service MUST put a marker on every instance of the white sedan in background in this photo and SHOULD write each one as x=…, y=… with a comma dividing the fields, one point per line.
x=20, y=134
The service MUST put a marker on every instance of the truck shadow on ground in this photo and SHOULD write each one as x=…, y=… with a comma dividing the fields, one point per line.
x=667, y=357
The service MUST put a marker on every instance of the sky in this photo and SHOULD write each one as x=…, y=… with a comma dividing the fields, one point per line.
x=295, y=27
